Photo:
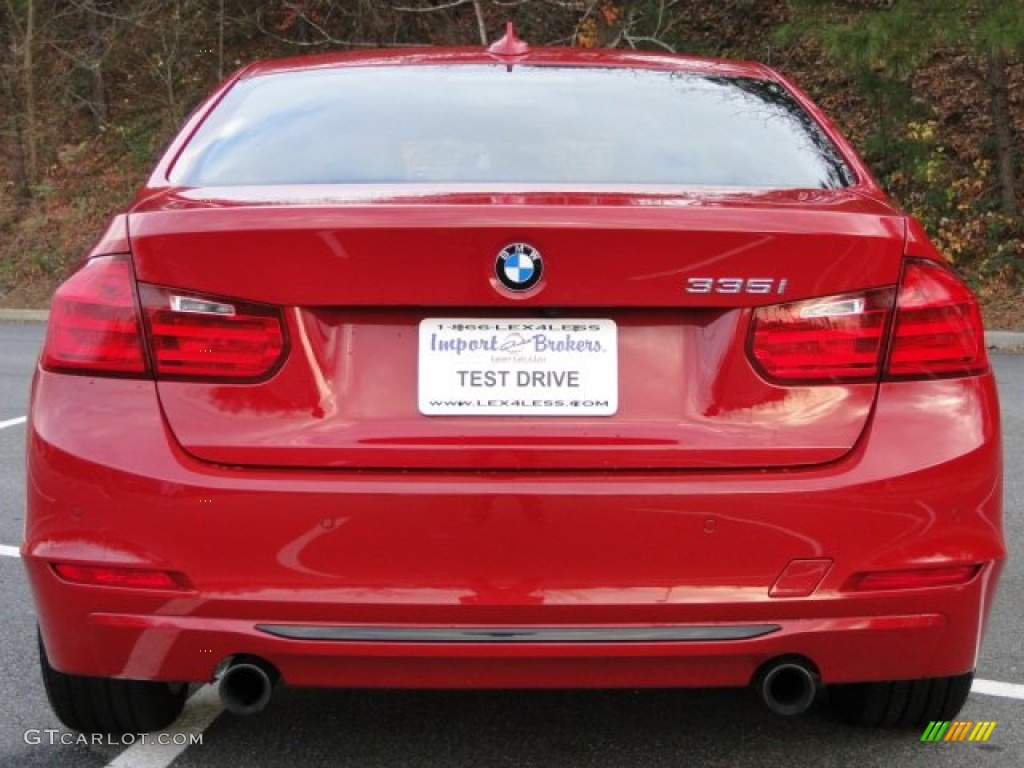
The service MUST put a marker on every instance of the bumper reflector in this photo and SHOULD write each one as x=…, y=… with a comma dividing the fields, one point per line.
x=914, y=578
x=104, y=576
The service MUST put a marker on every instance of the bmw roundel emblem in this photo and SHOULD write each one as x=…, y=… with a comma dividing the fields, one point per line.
x=518, y=267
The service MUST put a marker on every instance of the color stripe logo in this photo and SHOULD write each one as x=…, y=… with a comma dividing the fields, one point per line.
x=958, y=730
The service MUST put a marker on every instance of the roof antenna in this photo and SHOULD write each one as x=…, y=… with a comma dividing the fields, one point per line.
x=509, y=45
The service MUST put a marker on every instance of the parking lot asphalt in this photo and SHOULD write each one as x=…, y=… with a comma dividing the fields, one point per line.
x=624, y=729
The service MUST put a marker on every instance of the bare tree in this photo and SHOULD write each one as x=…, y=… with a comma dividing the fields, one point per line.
x=174, y=29
x=478, y=11
x=29, y=80
x=88, y=53
x=21, y=18
x=220, y=41
x=97, y=46
x=16, y=140
x=999, y=93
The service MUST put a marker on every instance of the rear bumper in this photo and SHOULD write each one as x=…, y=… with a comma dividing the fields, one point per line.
x=848, y=648
x=431, y=579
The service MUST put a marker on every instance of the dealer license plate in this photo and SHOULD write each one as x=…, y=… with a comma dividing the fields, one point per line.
x=496, y=367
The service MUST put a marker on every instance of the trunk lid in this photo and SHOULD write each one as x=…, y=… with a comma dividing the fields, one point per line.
x=358, y=272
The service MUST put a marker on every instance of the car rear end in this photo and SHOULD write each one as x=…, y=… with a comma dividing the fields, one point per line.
x=450, y=373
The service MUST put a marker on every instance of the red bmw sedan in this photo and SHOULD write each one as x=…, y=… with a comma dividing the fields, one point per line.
x=512, y=368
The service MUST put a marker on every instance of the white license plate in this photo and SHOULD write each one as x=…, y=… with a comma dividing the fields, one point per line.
x=471, y=367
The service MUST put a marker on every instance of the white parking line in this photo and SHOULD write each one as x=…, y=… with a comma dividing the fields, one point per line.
x=998, y=688
x=201, y=710
x=5, y=549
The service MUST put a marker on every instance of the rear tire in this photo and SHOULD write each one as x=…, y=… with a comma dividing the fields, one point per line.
x=108, y=705
x=902, y=703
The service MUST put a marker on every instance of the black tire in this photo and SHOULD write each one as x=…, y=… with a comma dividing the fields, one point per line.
x=108, y=705
x=902, y=703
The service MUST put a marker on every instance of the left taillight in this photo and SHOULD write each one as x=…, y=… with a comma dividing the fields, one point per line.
x=198, y=337
x=94, y=323
x=96, y=328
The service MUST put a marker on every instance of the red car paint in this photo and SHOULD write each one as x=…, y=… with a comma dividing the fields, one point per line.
x=318, y=497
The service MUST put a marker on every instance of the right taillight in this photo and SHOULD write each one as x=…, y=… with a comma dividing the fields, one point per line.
x=938, y=330
x=933, y=329
x=818, y=341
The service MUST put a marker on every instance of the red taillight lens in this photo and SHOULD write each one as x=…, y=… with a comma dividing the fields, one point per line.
x=938, y=329
x=914, y=578
x=103, y=576
x=94, y=325
x=94, y=328
x=199, y=337
x=838, y=338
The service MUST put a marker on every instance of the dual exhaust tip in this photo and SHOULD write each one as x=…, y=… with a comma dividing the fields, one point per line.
x=787, y=685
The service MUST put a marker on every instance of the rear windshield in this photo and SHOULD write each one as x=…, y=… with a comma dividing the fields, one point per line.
x=486, y=123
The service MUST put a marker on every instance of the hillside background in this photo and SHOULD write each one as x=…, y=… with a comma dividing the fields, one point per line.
x=930, y=91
